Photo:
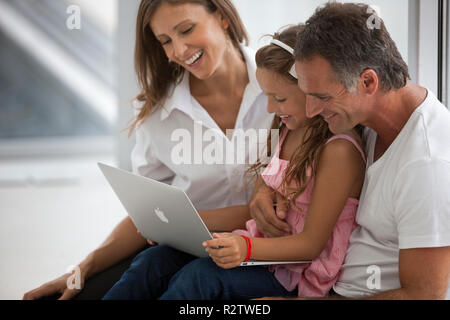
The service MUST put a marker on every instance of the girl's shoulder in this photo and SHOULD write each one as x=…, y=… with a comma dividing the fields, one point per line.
x=346, y=145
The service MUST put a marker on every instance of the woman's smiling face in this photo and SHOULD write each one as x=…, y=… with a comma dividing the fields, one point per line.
x=285, y=99
x=191, y=36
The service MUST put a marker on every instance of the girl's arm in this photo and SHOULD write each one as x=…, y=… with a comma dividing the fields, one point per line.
x=225, y=219
x=340, y=175
x=232, y=218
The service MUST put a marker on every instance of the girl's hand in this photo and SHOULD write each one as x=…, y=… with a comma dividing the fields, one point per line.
x=232, y=251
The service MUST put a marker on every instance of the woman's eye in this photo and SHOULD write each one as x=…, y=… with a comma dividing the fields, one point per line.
x=186, y=31
x=279, y=100
x=164, y=42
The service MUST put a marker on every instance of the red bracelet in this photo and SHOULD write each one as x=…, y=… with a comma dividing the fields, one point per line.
x=249, y=248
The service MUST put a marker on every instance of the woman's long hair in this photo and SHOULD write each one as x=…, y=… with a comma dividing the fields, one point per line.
x=154, y=71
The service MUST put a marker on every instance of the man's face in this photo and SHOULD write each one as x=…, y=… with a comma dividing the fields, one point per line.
x=327, y=97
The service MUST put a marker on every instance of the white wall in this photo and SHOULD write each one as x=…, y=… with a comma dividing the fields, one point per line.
x=267, y=16
x=428, y=45
x=128, y=87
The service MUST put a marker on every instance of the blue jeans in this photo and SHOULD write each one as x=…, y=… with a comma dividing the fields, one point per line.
x=149, y=274
x=169, y=274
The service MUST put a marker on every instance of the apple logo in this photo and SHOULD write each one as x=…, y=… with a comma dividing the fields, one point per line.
x=160, y=215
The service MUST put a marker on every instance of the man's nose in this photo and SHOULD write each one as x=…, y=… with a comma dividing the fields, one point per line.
x=313, y=107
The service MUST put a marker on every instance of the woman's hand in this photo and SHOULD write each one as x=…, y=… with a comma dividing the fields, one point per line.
x=227, y=250
x=59, y=285
x=150, y=242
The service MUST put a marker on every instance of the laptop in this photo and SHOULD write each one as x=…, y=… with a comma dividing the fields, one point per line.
x=164, y=213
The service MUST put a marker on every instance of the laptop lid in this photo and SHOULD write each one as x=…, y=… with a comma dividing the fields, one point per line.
x=160, y=212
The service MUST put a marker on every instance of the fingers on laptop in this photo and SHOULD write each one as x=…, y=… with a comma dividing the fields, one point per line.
x=150, y=242
x=230, y=254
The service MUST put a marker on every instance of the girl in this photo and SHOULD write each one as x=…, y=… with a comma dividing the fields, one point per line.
x=321, y=176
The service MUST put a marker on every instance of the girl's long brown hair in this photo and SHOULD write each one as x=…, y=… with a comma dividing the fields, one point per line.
x=276, y=59
x=154, y=72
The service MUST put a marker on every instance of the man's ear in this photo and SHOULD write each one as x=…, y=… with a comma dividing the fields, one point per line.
x=369, y=82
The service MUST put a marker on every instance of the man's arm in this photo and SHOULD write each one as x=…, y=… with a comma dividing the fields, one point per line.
x=424, y=274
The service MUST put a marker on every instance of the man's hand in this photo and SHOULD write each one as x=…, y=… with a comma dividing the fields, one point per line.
x=262, y=210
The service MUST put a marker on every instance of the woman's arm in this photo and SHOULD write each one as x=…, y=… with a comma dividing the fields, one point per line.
x=121, y=243
x=232, y=218
x=340, y=175
x=225, y=219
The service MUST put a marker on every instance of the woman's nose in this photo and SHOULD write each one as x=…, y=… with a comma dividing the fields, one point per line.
x=271, y=107
x=179, y=49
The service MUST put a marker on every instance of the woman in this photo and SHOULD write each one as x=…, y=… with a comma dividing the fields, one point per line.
x=195, y=75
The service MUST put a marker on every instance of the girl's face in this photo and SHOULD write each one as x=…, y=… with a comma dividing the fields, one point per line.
x=191, y=36
x=285, y=99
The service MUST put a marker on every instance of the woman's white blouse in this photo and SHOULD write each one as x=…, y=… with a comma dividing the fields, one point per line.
x=181, y=144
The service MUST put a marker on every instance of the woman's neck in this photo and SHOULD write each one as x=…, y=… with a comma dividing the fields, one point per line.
x=230, y=78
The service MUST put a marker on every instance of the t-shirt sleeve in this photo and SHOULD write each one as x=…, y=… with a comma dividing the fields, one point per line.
x=421, y=194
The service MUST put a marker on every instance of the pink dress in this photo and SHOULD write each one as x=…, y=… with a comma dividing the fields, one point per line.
x=313, y=279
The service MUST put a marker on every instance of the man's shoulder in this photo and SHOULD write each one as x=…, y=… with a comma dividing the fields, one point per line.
x=422, y=142
x=432, y=129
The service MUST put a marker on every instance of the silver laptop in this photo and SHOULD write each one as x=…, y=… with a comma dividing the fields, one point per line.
x=164, y=213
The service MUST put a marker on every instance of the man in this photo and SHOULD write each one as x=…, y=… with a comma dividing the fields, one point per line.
x=352, y=73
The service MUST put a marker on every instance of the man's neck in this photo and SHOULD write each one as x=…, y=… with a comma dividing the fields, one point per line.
x=391, y=111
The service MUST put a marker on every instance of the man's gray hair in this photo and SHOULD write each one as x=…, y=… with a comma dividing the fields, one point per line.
x=340, y=33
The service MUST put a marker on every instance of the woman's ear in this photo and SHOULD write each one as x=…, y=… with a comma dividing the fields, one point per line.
x=223, y=21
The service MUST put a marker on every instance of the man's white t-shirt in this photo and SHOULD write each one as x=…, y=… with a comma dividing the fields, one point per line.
x=404, y=204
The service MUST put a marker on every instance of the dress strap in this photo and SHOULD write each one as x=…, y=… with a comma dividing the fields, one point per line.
x=352, y=140
x=283, y=134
